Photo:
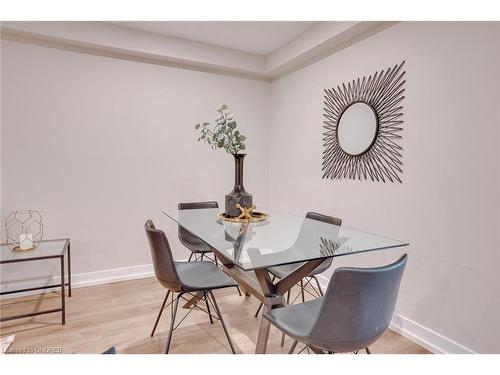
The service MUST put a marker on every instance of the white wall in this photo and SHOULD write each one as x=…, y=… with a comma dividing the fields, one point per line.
x=99, y=145
x=447, y=205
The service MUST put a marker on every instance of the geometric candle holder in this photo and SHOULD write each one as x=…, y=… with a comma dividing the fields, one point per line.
x=24, y=230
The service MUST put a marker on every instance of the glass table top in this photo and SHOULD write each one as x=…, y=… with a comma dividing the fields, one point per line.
x=281, y=239
x=45, y=248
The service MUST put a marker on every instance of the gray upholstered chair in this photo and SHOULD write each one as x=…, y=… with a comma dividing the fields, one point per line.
x=198, y=248
x=356, y=310
x=185, y=278
x=282, y=271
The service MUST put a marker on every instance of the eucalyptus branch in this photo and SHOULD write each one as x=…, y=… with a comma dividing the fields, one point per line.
x=223, y=134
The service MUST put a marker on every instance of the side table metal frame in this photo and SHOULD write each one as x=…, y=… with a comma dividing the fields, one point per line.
x=62, y=284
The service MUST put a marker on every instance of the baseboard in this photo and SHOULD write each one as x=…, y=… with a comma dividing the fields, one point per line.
x=417, y=333
x=112, y=275
x=429, y=339
x=80, y=280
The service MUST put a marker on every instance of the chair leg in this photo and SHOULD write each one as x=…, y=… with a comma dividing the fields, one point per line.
x=316, y=350
x=258, y=310
x=208, y=308
x=222, y=321
x=283, y=333
x=239, y=291
x=368, y=351
x=190, y=257
x=319, y=286
x=159, y=314
x=172, y=322
x=302, y=290
x=202, y=257
x=292, y=348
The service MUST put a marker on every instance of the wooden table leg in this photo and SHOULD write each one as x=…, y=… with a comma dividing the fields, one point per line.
x=276, y=292
x=194, y=299
x=269, y=290
x=265, y=327
x=264, y=289
x=244, y=291
x=226, y=265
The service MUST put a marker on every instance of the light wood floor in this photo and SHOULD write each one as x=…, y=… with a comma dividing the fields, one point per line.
x=122, y=314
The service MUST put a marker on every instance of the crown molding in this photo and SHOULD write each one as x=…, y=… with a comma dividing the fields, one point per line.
x=114, y=41
x=318, y=42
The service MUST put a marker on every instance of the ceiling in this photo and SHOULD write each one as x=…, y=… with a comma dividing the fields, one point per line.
x=259, y=37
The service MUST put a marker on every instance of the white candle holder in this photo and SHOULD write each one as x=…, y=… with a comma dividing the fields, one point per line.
x=24, y=230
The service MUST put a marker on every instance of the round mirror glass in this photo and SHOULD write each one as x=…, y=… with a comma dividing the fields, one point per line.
x=357, y=128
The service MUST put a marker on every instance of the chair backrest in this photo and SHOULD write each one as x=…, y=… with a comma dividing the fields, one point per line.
x=326, y=219
x=163, y=261
x=188, y=239
x=357, y=307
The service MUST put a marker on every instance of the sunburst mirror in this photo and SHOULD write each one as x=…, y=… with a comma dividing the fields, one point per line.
x=363, y=122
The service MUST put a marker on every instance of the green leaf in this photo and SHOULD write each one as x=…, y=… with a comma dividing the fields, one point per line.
x=224, y=107
x=197, y=126
x=242, y=138
x=242, y=147
x=237, y=133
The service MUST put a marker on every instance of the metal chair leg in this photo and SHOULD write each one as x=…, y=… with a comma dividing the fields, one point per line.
x=190, y=257
x=159, y=314
x=302, y=290
x=239, y=291
x=202, y=257
x=222, y=321
x=319, y=286
x=282, y=340
x=368, y=351
x=292, y=348
x=208, y=308
x=258, y=310
x=283, y=333
x=172, y=322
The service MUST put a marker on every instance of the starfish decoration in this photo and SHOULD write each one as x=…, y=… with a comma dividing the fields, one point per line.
x=246, y=213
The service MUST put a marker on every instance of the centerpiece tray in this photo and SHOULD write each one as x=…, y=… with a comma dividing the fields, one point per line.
x=256, y=217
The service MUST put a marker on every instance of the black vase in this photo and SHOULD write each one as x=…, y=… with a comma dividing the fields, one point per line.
x=238, y=195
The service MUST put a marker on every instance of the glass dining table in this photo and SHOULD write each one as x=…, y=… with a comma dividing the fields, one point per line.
x=247, y=250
